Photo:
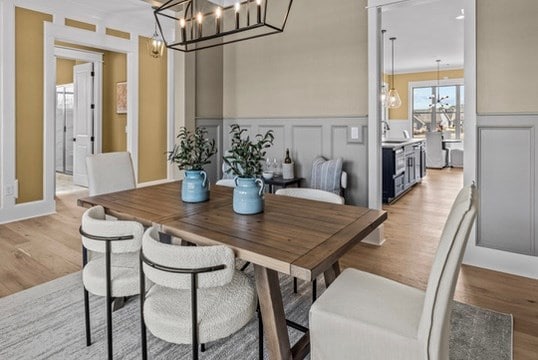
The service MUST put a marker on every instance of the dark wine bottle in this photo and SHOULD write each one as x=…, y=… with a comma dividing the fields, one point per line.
x=287, y=159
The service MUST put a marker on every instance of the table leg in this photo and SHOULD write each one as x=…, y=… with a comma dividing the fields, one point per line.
x=331, y=273
x=272, y=308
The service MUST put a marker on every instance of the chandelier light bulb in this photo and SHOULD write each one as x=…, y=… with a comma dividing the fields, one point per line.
x=218, y=13
x=182, y=23
x=237, y=7
x=199, y=18
x=258, y=2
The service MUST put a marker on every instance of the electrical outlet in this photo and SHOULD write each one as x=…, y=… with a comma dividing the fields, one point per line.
x=12, y=190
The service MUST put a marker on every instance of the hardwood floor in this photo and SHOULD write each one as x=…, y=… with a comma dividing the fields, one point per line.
x=42, y=249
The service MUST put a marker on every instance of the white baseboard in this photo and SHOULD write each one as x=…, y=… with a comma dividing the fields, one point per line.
x=28, y=210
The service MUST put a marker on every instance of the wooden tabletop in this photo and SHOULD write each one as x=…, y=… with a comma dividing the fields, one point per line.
x=293, y=236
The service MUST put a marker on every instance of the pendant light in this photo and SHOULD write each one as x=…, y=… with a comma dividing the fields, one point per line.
x=393, y=98
x=156, y=44
x=437, y=100
x=222, y=21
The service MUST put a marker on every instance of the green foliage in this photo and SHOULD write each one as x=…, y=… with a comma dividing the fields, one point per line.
x=194, y=149
x=245, y=156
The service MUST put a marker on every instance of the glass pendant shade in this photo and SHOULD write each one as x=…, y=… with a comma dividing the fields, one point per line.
x=393, y=99
x=156, y=45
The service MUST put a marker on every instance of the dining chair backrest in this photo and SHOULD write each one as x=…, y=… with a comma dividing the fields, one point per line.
x=185, y=257
x=110, y=172
x=434, y=142
x=435, y=320
x=95, y=223
x=311, y=194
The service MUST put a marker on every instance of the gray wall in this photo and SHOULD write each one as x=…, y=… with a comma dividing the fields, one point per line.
x=306, y=138
x=507, y=53
x=317, y=68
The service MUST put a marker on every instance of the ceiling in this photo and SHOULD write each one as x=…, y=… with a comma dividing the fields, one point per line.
x=425, y=32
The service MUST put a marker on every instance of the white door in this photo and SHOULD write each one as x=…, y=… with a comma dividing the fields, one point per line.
x=83, y=127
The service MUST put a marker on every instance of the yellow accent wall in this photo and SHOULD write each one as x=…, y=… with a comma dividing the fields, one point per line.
x=80, y=25
x=118, y=33
x=401, y=83
x=114, y=71
x=64, y=71
x=29, y=103
x=152, y=115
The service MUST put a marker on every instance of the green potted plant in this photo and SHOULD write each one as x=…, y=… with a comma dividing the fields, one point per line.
x=193, y=151
x=245, y=161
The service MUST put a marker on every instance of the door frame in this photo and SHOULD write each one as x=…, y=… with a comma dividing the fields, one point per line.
x=56, y=32
x=375, y=53
x=61, y=52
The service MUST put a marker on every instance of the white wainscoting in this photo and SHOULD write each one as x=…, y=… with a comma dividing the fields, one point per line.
x=305, y=138
x=507, y=182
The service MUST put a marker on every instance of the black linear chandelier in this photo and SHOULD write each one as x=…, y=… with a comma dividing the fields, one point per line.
x=202, y=24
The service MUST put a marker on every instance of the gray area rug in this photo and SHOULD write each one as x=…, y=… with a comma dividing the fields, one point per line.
x=47, y=322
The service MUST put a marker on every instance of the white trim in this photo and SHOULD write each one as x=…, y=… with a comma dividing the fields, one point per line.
x=28, y=210
x=7, y=123
x=374, y=126
x=77, y=54
x=171, y=132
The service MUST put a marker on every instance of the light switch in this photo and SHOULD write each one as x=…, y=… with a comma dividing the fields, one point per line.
x=354, y=133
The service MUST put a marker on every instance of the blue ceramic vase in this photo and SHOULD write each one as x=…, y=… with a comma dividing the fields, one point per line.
x=195, y=187
x=248, y=196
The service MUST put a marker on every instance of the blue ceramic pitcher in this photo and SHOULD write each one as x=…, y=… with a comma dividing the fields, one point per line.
x=195, y=186
x=248, y=197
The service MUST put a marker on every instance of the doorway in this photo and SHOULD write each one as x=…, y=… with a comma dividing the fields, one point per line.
x=78, y=108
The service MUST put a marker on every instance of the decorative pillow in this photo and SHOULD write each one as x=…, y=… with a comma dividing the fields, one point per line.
x=326, y=174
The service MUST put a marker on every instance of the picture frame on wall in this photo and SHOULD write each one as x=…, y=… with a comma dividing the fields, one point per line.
x=121, y=98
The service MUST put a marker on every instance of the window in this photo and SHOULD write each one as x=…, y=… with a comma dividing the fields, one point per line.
x=438, y=108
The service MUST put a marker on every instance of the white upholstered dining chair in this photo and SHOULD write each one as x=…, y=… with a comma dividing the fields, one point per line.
x=196, y=295
x=110, y=172
x=112, y=270
x=365, y=316
x=311, y=194
x=436, y=156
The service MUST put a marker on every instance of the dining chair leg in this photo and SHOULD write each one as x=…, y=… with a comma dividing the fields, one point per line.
x=143, y=332
x=314, y=289
x=108, y=301
x=243, y=268
x=87, y=318
x=295, y=285
x=202, y=347
x=86, y=302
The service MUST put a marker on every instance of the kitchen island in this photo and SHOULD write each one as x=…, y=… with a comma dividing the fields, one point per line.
x=404, y=165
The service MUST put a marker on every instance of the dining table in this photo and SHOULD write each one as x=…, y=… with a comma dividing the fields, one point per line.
x=292, y=236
